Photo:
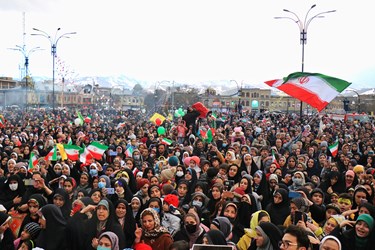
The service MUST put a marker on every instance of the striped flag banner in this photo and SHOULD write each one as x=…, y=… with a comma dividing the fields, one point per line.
x=52, y=155
x=72, y=151
x=32, y=162
x=334, y=148
x=97, y=150
x=315, y=89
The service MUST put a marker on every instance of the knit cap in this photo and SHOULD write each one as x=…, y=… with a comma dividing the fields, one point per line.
x=358, y=168
x=173, y=161
x=273, y=177
x=368, y=219
x=33, y=229
x=167, y=174
x=171, y=199
x=300, y=203
x=142, y=182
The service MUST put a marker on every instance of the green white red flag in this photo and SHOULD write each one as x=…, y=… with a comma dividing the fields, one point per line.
x=166, y=141
x=129, y=152
x=52, y=155
x=334, y=148
x=85, y=155
x=32, y=162
x=72, y=151
x=97, y=150
x=315, y=89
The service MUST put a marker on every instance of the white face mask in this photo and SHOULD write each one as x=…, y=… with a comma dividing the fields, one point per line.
x=13, y=186
x=179, y=173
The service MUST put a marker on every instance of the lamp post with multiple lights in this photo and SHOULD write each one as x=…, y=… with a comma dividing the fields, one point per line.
x=303, y=27
x=53, y=41
x=26, y=55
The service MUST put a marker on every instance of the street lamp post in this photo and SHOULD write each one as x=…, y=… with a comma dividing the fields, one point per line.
x=358, y=98
x=53, y=41
x=26, y=55
x=303, y=26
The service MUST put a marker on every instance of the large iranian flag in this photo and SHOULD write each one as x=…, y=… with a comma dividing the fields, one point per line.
x=334, y=148
x=97, y=149
x=32, y=162
x=72, y=151
x=315, y=89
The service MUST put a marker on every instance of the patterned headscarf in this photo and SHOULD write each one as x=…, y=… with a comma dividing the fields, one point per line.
x=158, y=229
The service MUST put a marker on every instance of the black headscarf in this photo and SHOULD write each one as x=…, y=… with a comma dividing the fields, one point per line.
x=279, y=212
x=53, y=237
x=66, y=208
x=215, y=237
x=129, y=226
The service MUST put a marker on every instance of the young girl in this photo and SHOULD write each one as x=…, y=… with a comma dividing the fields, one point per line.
x=29, y=233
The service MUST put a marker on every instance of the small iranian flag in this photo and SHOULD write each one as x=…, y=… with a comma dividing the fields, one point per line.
x=72, y=151
x=97, y=150
x=32, y=162
x=166, y=141
x=315, y=89
x=85, y=155
x=334, y=148
x=129, y=152
x=52, y=155
x=274, y=160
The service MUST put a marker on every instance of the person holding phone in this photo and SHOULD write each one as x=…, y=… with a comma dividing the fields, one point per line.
x=299, y=212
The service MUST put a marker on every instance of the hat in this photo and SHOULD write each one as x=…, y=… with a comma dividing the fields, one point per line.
x=33, y=229
x=353, y=162
x=273, y=177
x=173, y=161
x=334, y=207
x=350, y=172
x=142, y=182
x=323, y=144
x=300, y=203
x=317, y=190
x=368, y=219
x=358, y=168
x=167, y=174
x=171, y=199
x=223, y=224
x=330, y=237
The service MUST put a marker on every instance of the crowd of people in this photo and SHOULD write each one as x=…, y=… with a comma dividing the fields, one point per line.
x=245, y=181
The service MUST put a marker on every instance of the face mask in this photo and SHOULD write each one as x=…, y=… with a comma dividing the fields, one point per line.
x=297, y=181
x=13, y=186
x=179, y=173
x=103, y=248
x=231, y=220
x=156, y=209
x=197, y=203
x=224, y=145
x=137, y=157
x=40, y=147
x=58, y=172
x=177, y=154
x=191, y=228
x=101, y=185
x=58, y=157
x=93, y=172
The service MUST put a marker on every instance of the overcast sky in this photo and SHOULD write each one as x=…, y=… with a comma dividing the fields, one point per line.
x=192, y=41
